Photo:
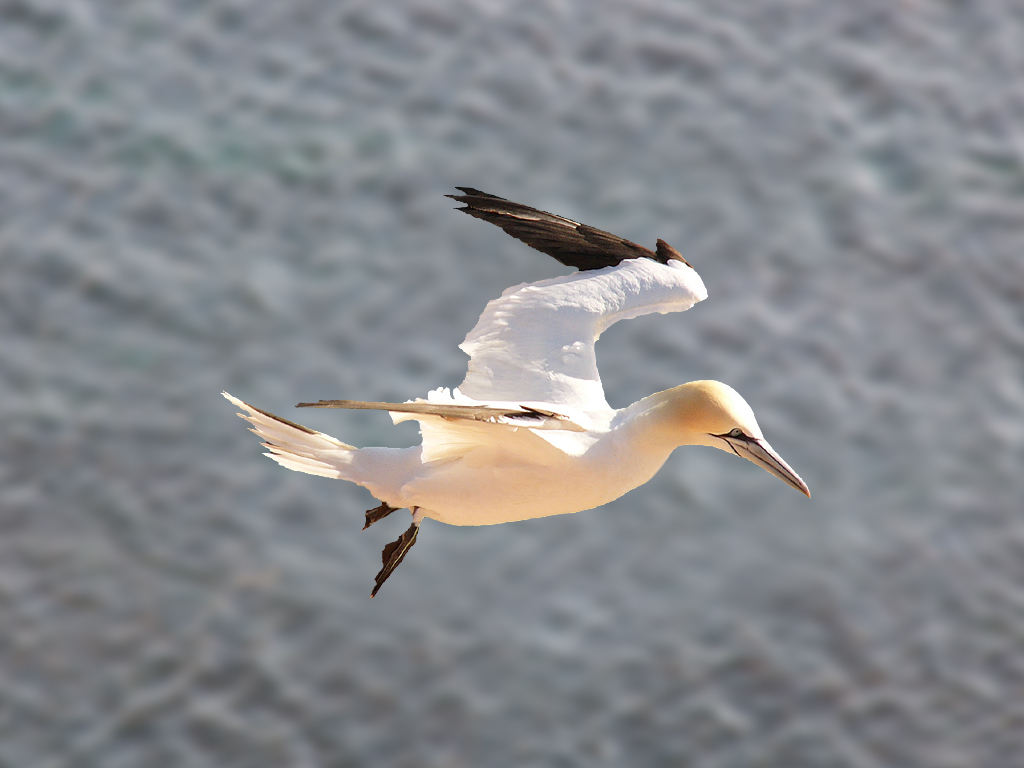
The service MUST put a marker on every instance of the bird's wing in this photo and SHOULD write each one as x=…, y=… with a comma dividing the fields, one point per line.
x=535, y=344
x=512, y=415
x=452, y=430
x=571, y=243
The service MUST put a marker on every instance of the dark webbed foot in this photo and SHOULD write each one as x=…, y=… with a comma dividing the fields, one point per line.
x=394, y=553
x=378, y=513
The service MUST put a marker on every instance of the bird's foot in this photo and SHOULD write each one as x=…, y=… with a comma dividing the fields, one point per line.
x=394, y=553
x=378, y=513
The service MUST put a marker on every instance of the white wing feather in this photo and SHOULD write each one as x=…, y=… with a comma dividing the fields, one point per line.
x=536, y=342
x=447, y=438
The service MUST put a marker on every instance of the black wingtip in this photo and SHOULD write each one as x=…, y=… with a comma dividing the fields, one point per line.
x=567, y=241
x=471, y=192
x=667, y=253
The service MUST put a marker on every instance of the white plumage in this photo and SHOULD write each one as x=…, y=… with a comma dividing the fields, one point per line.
x=536, y=342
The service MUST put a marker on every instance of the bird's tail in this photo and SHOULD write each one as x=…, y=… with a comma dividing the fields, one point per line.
x=297, y=447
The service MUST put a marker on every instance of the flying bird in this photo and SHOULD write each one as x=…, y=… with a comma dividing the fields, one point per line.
x=529, y=433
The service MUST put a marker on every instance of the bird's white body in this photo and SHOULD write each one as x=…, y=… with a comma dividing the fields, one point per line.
x=517, y=477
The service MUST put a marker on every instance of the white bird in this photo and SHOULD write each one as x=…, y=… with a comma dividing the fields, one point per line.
x=529, y=433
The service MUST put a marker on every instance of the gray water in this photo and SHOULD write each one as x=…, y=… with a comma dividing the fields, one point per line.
x=249, y=196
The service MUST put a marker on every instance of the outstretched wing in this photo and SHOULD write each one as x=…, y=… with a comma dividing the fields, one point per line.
x=513, y=415
x=453, y=430
x=535, y=344
x=571, y=243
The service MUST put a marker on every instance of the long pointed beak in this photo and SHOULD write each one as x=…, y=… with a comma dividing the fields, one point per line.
x=762, y=454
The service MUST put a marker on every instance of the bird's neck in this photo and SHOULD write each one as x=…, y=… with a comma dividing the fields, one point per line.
x=664, y=418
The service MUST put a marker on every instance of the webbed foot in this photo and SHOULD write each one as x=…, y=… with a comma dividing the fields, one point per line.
x=394, y=553
x=378, y=513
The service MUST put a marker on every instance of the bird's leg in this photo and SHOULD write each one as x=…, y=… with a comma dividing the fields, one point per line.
x=378, y=513
x=394, y=553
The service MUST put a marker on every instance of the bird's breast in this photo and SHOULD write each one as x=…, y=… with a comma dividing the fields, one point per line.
x=487, y=490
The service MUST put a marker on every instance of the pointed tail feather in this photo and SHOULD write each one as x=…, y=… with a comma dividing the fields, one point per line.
x=297, y=447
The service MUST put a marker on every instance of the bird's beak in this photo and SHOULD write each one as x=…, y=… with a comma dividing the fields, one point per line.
x=762, y=454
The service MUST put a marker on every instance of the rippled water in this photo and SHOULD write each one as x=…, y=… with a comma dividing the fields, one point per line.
x=248, y=196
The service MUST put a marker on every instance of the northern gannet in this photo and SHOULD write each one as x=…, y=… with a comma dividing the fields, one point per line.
x=529, y=433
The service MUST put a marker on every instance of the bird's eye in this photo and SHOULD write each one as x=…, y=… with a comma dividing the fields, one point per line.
x=736, y=432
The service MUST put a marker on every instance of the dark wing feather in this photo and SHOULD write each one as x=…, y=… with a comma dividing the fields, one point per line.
x=523, y=416
x=571, y=243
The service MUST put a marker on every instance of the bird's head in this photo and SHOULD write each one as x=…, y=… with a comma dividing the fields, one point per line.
x=713, y=413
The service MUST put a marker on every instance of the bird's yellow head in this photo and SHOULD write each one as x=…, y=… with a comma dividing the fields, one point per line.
x=713, y=413
x=712, y=408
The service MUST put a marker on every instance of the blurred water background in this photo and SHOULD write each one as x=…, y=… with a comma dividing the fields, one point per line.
x=248, y=195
